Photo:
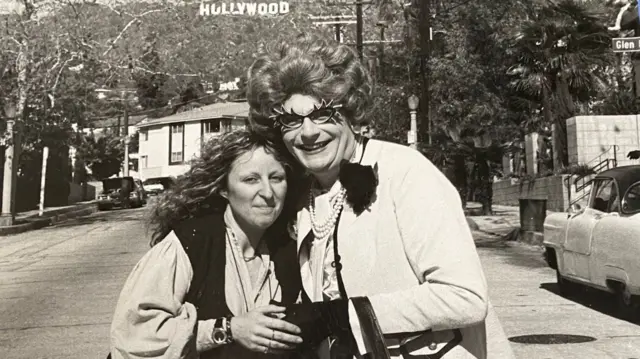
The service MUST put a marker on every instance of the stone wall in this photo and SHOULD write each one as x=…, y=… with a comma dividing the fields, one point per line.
x=508, y=192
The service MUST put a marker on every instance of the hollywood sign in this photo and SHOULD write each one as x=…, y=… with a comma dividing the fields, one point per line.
x=244, y=8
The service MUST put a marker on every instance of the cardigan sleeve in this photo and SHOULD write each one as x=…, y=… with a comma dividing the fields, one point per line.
x=440, y=249
x=151, y=319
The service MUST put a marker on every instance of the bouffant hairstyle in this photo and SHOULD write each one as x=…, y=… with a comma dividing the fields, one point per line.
x=310, y=65
x=196, y=193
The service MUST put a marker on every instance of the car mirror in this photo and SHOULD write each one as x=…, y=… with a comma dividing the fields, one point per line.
x=625, y=206
x=575, y=208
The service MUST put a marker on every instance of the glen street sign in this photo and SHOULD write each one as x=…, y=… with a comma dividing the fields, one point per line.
x=625, y=44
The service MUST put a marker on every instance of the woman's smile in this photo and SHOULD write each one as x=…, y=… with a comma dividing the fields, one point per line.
x=313, y=147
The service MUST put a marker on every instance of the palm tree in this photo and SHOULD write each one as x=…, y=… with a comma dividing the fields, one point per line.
x=560, y=50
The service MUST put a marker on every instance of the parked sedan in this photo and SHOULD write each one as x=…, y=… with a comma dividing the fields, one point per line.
x=157, y=185
x=121, y=192
x=599, y=246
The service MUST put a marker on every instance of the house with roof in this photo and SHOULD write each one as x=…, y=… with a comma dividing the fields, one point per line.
x=167, y=144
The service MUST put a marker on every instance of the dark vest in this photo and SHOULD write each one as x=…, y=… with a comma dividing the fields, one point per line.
x=204, y=240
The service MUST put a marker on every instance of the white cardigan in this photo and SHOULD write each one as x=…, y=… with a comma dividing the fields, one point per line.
x=413, y=255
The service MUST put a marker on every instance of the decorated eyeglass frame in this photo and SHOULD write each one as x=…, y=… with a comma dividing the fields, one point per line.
x=289, y=120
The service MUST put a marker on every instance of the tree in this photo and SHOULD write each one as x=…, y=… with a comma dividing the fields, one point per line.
x=560, y=52
x=102, y=154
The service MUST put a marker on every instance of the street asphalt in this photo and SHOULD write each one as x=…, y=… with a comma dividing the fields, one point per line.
x=59, y=285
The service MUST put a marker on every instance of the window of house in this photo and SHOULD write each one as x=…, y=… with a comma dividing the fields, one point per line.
x=143, y=161
x=226, y=125
x=210, y=126
x=144, y=135
x=176, y=157
x=176, y=144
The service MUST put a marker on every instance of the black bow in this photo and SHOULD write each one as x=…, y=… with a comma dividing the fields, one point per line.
x=360, y=182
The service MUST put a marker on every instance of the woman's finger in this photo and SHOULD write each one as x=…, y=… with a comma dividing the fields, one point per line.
x=272, y=344
x=268, y=309
x=282, y=326
x=286, y=338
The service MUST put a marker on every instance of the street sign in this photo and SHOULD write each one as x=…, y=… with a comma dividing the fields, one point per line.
x=625, y=44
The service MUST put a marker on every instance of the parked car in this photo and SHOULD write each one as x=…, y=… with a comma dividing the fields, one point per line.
x=599, y=246
x=121, y=192
x=157, y=185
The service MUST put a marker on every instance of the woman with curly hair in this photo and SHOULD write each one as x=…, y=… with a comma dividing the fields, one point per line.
x=388, y=263
x=221, y=267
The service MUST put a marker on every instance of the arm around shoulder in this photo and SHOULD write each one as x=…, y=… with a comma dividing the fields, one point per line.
x=440, y=249
x=151, y=319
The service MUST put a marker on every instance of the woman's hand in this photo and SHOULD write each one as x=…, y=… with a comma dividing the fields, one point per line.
x=261, y=331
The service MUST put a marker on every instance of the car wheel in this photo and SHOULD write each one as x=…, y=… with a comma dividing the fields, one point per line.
x=567, y=288
x=628, y=306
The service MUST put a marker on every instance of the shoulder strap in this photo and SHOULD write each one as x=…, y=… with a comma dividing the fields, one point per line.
x=204, y=242
x=336, y=256
x=284, y=256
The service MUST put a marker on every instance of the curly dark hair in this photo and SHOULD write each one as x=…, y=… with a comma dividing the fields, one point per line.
x=196, y=193
x=311, y=65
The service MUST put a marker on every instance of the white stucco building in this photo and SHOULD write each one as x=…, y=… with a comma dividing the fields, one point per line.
x=168, y=144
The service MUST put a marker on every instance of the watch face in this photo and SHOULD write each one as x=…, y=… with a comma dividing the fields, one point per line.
x=219, y=336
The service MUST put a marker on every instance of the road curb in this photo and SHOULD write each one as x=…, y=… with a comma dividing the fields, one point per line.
x=53, y=217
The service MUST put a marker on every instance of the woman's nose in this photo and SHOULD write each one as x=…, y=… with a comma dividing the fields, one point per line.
x=266, y=190
x=309, y=128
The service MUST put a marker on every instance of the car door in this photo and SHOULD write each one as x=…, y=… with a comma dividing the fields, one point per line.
x=579, y=235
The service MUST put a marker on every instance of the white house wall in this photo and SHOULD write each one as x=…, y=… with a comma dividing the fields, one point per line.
x=156, y=148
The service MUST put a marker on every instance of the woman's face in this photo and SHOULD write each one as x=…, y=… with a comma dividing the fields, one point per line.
x=256, y=189
x=320, y=148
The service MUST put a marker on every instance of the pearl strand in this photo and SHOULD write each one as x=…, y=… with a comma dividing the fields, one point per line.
x=323, y=230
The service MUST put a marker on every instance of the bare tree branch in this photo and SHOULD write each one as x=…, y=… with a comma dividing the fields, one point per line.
x=131, y=22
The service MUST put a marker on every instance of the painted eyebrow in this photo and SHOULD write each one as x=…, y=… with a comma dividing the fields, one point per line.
x=316, y=107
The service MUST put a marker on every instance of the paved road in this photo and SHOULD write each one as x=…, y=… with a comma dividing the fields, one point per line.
x=58, y=287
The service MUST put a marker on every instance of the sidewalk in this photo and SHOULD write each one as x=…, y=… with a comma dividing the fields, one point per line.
x=503, y=224
x=30, y=220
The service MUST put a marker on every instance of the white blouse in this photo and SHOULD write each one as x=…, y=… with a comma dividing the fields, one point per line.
x=152, y=320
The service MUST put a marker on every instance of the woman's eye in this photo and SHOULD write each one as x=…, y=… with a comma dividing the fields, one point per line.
x=251, y=180
x=278, y=178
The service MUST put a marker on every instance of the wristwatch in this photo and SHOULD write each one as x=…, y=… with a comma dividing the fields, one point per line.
x=222, y=331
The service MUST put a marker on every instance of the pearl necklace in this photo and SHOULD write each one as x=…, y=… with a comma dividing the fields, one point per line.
x=324, y=230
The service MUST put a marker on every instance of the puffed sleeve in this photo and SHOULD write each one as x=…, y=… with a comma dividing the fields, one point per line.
x=440, y=249
x=151, y=319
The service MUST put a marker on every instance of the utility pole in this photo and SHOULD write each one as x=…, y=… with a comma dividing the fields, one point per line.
x=359, y=23
x=425, y=53
x=8, y=186
x=359, y=40
x=337, y=20
x=125, y=131
x=382, y=25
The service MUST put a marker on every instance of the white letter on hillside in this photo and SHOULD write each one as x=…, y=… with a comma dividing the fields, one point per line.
x=205, y=9
x=251, y=8
x=284, y=7
x=262, y=9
